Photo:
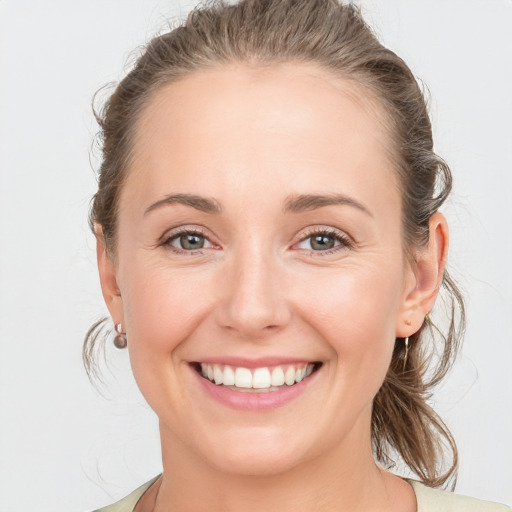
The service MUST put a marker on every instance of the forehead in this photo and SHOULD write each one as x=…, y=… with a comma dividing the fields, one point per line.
x=293, y=125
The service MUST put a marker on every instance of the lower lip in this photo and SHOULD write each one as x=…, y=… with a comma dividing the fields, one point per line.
x=254, y=401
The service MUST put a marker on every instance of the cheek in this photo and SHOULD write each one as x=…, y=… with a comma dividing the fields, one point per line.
x=355, y=312
x=163, y=306
x=162, y=309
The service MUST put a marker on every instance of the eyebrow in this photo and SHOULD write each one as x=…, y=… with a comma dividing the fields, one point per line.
x=294, y=204
x=308, y=202
x=200, y=203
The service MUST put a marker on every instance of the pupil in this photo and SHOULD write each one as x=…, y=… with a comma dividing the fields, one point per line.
x=322, y=242
x=191, y=241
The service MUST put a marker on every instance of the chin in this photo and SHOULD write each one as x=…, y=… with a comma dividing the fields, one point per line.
x=260, y=454
x=255, y=465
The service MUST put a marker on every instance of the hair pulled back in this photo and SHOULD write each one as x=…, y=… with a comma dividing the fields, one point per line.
x=334, y=36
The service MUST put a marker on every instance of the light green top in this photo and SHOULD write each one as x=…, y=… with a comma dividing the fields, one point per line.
x=429, y=500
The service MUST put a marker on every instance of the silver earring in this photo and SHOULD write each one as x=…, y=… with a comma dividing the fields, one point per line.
x=406, y=342
x=120, y=340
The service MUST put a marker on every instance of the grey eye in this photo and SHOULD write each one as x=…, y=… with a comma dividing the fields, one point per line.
x=190, y=241
x=322, y=242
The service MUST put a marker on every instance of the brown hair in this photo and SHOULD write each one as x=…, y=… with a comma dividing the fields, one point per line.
x=334, y=36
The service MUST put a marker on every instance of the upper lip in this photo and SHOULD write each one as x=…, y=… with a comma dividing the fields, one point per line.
x=255, y=362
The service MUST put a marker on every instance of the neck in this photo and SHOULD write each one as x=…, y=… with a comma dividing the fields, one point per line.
x=344, y=478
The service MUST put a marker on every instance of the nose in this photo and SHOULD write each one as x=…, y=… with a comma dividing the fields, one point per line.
x=253, y=303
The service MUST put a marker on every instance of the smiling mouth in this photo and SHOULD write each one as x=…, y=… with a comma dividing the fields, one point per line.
x=257, y=380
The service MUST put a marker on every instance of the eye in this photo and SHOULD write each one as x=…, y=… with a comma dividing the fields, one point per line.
x=325, y=241
x=188, y=241
x=321, y=242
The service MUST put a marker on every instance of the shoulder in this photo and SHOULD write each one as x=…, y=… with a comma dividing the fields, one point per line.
x=128, y=503
x=429, y=500
x=434, y=500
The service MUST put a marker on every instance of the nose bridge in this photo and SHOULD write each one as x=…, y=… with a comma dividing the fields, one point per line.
x=255, y=302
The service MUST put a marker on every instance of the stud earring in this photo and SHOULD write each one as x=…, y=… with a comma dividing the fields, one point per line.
x=406, y=342
x=120, y=340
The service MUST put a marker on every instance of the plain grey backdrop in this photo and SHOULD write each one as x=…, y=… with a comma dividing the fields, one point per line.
x=65, y=447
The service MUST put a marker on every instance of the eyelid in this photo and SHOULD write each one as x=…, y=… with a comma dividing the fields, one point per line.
x=174, y=233
x=346, y=242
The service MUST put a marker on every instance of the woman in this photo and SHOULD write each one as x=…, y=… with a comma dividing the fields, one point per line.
x=270, y=249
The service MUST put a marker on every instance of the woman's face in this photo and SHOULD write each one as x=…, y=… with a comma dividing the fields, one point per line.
x=259, y=239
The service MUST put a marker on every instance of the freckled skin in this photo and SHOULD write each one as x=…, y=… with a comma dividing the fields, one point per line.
x=250, y=140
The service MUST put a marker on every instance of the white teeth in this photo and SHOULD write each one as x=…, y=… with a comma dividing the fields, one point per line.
x=263, y=379
x=277, y=376
x=289, y=376
x=229, y=376
x=300, y=374
x=217, y=374
x=243, y=378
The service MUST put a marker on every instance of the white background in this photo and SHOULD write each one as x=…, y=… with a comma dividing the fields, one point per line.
x=63, y=446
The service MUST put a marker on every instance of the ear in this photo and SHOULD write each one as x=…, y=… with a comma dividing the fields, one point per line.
x=427, y=276
x=108, y=279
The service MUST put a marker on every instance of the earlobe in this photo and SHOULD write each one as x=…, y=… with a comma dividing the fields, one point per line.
x=428, y=270
x=108, y=278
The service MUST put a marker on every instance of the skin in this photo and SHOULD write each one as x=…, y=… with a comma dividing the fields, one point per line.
x=251, y=139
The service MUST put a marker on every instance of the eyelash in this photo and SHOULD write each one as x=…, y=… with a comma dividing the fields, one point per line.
x=344, y=241
x=184, y=231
